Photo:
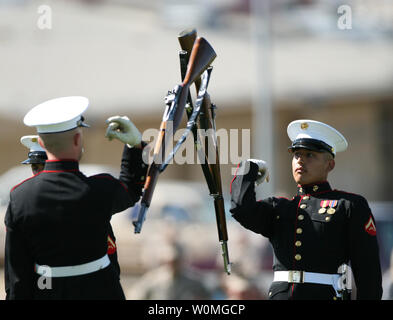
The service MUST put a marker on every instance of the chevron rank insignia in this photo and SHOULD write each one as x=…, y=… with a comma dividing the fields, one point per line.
x=370, y=227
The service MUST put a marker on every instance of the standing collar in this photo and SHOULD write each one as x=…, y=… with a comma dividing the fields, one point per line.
x=61, y=165
x=313, y=188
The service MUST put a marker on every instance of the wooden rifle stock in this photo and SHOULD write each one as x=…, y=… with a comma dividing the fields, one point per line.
x=202, y=55
x=186, y=39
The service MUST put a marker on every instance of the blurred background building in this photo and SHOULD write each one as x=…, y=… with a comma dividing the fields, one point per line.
x=277, y=61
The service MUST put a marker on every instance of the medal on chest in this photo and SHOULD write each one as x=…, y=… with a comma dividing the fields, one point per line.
x=328, y=206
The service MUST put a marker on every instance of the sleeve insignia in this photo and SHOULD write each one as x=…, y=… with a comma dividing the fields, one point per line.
x=370, y=227
x=111, y=246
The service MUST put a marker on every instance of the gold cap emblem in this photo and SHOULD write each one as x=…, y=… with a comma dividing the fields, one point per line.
x=304, y=125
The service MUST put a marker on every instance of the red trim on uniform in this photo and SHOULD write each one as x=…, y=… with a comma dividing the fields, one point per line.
x=123, y=185
x=294, y=238
x=25, y=181
x=52, y=171
x=230, y=186
x=61, y=160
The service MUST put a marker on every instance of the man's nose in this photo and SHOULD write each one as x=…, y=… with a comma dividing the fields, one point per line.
x=300, y=159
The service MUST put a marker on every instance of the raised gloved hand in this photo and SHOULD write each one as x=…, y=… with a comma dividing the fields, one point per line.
x=123, y=129
x=263, y=171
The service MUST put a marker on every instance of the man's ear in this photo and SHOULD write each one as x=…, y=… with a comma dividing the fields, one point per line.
x=331, y=164
x=41, y=142
x=77, y=138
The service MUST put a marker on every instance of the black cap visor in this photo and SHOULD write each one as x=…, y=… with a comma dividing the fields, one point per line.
x=36, y=157
x=311, y=144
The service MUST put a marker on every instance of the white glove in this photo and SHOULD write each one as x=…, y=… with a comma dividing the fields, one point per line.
x=263, y=172
x=123, y=129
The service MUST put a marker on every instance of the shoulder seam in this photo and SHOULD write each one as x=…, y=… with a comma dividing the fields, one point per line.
x=20, y=183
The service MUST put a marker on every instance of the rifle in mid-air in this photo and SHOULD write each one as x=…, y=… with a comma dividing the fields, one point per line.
x=200, y=115
x=202, y=55
x=206, y=122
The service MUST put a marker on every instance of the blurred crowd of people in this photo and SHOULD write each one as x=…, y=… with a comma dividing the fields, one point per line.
x=178, y=270
x=175, y=279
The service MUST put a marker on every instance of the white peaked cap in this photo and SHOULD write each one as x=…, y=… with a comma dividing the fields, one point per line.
x=310, y=134
x=57, y=115
x=31, y=142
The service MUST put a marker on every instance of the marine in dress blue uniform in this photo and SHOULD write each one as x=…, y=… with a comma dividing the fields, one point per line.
x=57, y=221
x=316, y=231
x=37, y=158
